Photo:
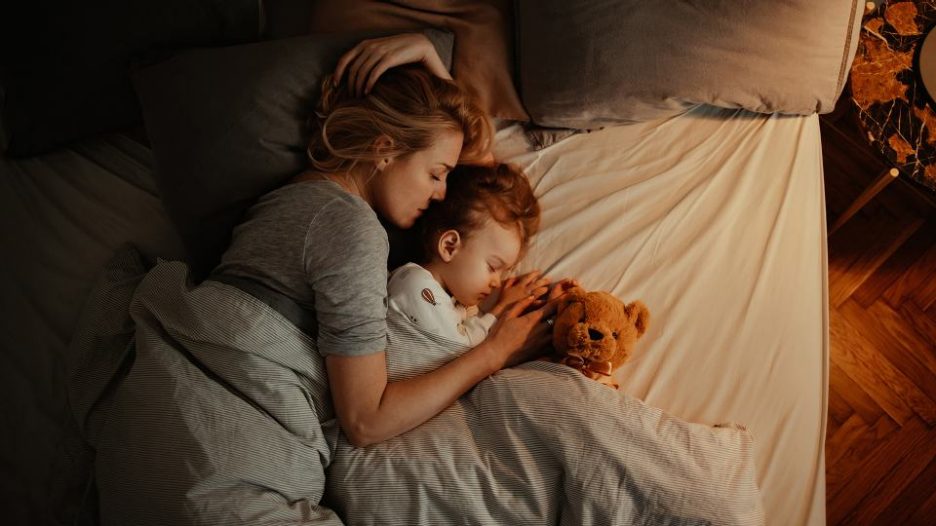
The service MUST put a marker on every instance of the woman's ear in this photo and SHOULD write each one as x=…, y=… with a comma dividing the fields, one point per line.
x=449, y=244
x=383, y=147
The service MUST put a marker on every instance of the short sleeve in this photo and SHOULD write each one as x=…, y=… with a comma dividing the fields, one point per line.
x=415, y=294
x=345, y=255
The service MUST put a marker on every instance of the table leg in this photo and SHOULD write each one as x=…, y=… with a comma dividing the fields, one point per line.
x=879, y=184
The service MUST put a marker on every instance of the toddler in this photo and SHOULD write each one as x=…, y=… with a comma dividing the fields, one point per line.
x=470, y=241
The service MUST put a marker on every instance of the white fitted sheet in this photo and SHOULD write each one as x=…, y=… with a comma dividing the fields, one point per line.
x=716, y=220
x=713, y=218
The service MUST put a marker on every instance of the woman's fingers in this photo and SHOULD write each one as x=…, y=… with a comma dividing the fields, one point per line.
x=368, y=65
x=363, y=64
x=375, y=74
x=345, y=60
x=539, y=291
x=540, y=283
x=530, y=277
x=546, y=311
x=519, y=306
x=354, y=68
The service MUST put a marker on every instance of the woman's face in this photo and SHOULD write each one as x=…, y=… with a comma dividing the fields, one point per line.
x=403, y=190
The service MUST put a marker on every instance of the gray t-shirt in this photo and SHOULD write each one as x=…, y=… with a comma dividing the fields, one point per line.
x=325, y=249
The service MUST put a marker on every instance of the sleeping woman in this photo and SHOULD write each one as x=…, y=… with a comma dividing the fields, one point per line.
x=222, y=415
x=379, y=150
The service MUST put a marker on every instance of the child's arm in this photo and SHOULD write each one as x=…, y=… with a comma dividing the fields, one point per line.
x=477, y=327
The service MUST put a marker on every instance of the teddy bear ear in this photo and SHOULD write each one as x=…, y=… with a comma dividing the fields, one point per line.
x=571, y=296
x=639, y=315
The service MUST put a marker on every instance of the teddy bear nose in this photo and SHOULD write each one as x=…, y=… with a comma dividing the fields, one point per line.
x=595, y=335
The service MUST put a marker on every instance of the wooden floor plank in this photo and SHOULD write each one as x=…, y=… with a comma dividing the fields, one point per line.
x=898, y=342
x=898, y=478
x=842, y=440
x=876, y=466
x=911, y=282
x=855, y=454
x=896, y=265
x=924, y=295
x=893, y=391
x=925, y=512
x=839, y=408
x=857, y=398
x=901, y=509
x=886, y=235
x=922, y=322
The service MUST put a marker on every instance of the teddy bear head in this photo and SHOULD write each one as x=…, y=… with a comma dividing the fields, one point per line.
x=595, y=332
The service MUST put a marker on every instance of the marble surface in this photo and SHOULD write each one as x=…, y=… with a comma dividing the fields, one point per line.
x=894, y=109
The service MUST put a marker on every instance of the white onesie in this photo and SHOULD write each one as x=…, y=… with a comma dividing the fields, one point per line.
x=413, y=292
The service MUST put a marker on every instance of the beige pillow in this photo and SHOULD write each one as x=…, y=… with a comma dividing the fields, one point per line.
x=483, y=61
x=585, y=64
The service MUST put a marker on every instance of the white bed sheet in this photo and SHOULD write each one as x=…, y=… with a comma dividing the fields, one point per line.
x=716, y=220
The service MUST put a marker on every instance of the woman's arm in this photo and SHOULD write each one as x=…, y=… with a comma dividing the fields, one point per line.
x=371, y=410
x=367, y=61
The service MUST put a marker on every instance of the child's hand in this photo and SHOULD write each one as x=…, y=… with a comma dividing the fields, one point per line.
x=561, y=287
x=517, y=288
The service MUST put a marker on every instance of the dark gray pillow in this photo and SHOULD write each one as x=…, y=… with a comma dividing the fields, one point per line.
x=65, y=66
x=227, y=125
x=586, y=64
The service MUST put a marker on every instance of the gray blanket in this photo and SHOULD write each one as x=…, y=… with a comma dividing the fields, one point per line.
x=206, y=406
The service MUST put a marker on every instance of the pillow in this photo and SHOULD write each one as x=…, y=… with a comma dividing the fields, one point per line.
x=65, y=71
x=585, y=64
x=483, y=63
x=227, y=125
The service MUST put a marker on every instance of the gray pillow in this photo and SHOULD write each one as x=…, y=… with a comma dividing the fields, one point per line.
x=227, y=125
x=585, y=63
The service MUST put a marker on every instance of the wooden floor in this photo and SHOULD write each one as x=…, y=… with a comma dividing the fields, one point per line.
x=881, y=440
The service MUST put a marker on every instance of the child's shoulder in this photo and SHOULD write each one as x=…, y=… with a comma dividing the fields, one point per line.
x=409, y=275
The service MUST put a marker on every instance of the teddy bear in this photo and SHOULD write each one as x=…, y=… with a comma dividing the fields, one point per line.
x=595, y=333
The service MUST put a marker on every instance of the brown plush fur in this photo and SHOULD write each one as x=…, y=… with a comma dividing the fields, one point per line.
x=594, y=332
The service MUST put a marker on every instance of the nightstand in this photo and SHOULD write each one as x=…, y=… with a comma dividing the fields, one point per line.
x=894, y=112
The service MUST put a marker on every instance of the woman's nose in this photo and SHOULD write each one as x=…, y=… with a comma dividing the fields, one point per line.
x=439, y=194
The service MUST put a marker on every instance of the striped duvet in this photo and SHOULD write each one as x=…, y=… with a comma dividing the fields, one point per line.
x=206, y=406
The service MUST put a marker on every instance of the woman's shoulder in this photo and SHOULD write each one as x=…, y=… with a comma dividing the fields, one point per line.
x=341, y=220
x=319, y=194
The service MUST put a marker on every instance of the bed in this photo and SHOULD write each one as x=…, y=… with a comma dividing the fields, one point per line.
x=713, y=217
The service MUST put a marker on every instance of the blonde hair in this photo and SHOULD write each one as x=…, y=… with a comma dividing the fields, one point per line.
x=409, y=105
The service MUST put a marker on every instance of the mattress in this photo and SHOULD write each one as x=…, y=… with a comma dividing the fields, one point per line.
x=713, y=218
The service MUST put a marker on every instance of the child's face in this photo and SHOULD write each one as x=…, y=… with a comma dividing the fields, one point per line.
x=476, y=268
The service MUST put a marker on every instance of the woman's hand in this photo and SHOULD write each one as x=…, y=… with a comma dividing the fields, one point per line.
x=517, y=288
x=368, y=60
x=519, y=337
